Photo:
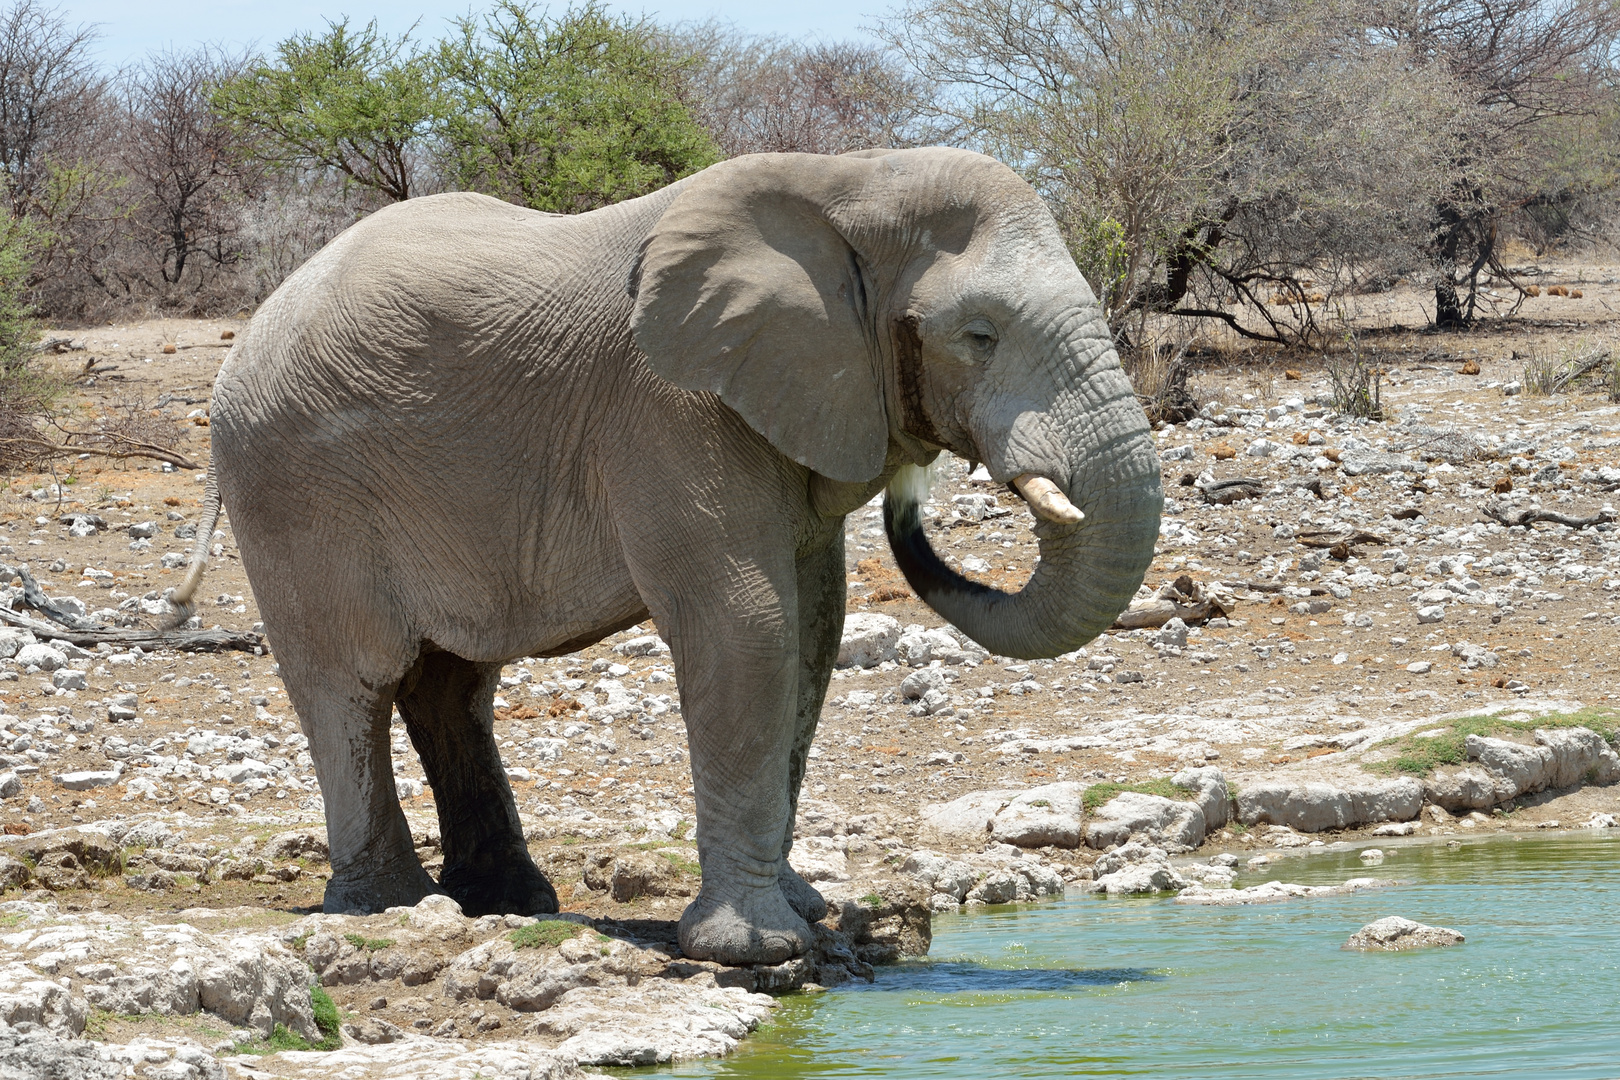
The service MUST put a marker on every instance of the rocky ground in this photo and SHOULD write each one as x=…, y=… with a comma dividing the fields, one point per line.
x=1363, y=646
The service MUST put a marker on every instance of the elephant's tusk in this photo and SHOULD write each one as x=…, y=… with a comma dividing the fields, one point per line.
x=1047, y=500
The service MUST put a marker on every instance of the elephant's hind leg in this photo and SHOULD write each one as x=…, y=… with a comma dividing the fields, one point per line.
x=448, y=707
x=374, y=865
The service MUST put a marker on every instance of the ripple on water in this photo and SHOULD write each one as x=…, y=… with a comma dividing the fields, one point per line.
x=1114, y=987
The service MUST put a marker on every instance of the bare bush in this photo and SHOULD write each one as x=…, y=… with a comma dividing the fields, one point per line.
x=189, y=177
x=52, y=102
x=1537, y=80
x=1159, y=375
x=768, y=95
x=1550, y=371
x=1357, y=381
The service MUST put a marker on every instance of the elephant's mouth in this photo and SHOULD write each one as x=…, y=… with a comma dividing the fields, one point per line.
x=1090, y=565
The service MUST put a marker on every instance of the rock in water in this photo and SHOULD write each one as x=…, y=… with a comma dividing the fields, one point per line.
x=1395, y=934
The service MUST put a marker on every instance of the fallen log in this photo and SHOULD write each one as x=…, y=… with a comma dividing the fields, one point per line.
x=149, y=640
x=1527, y=518
x=1237, y=489
x=1153, y=613
x=1328, y=538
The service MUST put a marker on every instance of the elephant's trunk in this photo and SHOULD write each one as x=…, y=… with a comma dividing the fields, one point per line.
x=1087, y=574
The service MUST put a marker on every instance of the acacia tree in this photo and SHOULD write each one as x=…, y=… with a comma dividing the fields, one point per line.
x=565, y=114
x=764, y=95
x=1199, y=152
x=356, y=103
x=1534, y=75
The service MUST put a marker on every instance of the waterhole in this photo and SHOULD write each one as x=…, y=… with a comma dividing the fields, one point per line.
x=1091, y=987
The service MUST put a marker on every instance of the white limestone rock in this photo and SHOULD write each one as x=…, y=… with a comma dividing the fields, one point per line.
x=869, y=639
x=967, y=820
x=1208, y=786
x=1312, y=806
x=1275, y=892
x=1132, y=815
x=1395, y=934
x=41, y=656
x=1047, y=816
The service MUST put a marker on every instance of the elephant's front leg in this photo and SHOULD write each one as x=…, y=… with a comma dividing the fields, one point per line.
x=738, y=673
x=821, y=601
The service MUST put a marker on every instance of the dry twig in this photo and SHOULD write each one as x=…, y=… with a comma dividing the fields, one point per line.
x=1530, y=517
x=184, y=640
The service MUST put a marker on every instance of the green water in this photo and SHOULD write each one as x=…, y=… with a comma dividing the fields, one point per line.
x=1098, y=987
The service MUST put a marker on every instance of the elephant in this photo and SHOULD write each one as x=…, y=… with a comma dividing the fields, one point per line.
x=466, y=432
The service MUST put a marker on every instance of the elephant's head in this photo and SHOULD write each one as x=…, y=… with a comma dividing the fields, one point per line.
x=886, y=305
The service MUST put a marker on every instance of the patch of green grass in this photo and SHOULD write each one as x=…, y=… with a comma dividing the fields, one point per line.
x=546, y=932
x=682, y=863
x=99, y=1020
x=872, y=899
x=1419, y=753
x=360, y=941
x=680, y=830
x=327, y=1021
x=568, y=839
x=12, y=919
x=1040, y=802
x=1098, y=794
x=111, y=869
x=301, y=940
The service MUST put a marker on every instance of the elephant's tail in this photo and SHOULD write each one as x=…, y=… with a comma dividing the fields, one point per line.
x=183, y=596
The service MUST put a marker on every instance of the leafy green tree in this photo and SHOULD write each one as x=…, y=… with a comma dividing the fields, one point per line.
x=565, y=114
x=354, y=102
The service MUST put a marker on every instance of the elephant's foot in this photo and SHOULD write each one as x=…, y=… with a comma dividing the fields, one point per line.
x=801, y=896
x=511, y=886
x=740, y=925
x=354, y=890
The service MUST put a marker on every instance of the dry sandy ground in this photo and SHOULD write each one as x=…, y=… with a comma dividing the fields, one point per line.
x=1268, y=691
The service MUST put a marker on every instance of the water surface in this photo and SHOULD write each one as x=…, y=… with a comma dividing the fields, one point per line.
x=1126, y=987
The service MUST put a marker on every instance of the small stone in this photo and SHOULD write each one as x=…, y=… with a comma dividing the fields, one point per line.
x=41, y=656
x=1420, y=667
x=868, y=640
x=87, y=779
x=68, y=679
x=1395, y=934
x=1174, y=633
x=1433, y=613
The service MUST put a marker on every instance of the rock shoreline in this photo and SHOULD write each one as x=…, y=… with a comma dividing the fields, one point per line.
x=549, y=996
x=1054, y=815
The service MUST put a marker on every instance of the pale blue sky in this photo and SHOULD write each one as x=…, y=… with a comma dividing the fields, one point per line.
x=132, y=28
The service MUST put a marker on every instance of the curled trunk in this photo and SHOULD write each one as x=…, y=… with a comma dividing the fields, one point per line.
x=1087, y=573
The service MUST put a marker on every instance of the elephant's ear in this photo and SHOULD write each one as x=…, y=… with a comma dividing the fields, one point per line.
x=748, y=289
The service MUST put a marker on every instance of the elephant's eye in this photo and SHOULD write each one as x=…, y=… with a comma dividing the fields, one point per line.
x=977, y=340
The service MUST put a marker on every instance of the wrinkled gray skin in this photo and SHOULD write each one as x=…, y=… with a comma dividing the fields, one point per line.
x=467, y=432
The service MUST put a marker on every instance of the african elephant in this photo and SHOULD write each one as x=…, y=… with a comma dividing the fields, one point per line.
x=466, y=432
